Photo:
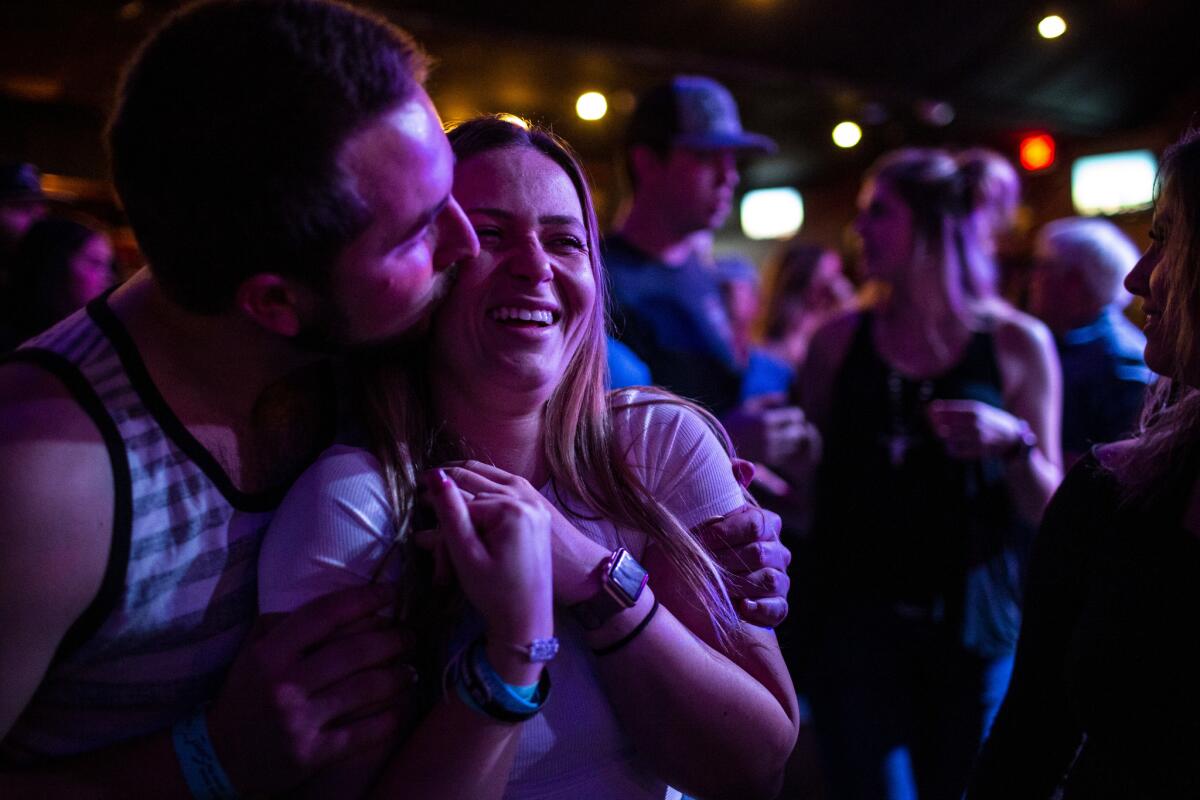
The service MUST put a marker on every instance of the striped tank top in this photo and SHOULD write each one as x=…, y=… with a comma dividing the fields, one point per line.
x=179, y=593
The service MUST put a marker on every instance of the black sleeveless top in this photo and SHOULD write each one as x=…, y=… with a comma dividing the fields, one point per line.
x=1109, y=652
x=900, y=524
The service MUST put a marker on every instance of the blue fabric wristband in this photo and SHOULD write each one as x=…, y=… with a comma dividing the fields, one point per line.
x=202, y=771
x=482, y=689
x=526, y=693
x=509, y=696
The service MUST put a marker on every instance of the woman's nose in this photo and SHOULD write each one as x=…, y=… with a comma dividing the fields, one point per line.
x=530, y=262
x=1138, y=280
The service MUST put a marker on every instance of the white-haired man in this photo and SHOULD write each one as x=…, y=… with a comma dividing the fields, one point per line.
x=1077, y=289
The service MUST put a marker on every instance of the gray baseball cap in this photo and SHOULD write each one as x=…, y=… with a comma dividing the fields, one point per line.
x=693, y=111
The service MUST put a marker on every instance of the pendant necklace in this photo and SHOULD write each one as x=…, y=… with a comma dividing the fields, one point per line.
x=900, y=437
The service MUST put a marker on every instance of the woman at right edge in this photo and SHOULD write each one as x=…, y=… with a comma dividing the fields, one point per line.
x=1105, y=700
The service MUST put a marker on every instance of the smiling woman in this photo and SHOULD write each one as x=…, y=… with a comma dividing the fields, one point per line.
x=1104, y=699
x=607, y=500
x=520, y=309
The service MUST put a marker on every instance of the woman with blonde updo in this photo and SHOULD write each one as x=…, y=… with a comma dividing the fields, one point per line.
x=939, y=408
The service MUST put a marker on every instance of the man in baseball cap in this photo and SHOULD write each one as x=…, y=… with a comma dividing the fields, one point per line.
x=682, y=149
x=695, y=112
x=22, y=203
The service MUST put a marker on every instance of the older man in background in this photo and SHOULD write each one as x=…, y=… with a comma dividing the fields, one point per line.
x=1077, y=289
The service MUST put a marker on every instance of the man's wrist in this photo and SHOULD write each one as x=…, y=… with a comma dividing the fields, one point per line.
x=202, y=770
x=249, y=776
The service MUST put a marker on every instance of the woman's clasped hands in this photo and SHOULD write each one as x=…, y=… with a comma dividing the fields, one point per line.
x=498, y=545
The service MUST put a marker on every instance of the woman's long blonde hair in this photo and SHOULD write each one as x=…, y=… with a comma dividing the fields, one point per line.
x=584, y=459
x=1169, y=429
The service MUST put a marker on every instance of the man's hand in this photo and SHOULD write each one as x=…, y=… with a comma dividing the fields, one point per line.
x=320, y=685
x=746, y=542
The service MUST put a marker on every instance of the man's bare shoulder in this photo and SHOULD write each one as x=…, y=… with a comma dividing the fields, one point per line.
x=56, y=517
x=34, y=402
x=56, y=484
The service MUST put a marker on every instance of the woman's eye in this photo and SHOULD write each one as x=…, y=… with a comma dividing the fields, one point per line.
x=569, y=243
x=487, y=232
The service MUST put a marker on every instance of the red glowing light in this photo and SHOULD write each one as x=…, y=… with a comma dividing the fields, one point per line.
x=1037, y=151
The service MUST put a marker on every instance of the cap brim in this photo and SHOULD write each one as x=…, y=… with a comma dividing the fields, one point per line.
x=745, y=142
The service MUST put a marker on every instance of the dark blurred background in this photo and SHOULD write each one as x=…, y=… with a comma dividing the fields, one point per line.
x=1123, y=76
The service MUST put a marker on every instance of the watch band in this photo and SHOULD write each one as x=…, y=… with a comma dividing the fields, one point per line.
x=481, y=688
x=622, y=580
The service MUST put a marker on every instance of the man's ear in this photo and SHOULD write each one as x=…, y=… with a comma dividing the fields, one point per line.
x=643, y=162
x=274, y=302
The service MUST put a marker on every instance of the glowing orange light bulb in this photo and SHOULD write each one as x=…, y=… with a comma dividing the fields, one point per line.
x=1037, y=151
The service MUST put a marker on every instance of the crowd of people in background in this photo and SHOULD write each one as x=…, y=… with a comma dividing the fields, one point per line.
x=493, y=482
x=51, y=263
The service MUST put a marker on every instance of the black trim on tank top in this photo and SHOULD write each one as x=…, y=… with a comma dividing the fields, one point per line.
x=139, y=378
x=112, y=586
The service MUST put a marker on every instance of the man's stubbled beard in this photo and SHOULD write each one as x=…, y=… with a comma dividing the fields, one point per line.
x=325, y=334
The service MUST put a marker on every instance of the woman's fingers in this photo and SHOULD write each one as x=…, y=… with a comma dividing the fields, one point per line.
x=489, y=511
x=476, y=476
x=470, y=481
x=483, y=470
x=454, y=521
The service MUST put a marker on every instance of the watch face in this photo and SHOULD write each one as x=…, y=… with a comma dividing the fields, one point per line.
x=628, y=578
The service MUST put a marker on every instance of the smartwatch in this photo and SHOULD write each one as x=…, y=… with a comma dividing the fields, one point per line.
x=622, y=580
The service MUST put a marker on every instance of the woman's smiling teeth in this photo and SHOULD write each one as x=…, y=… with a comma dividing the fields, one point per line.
x=511, y=314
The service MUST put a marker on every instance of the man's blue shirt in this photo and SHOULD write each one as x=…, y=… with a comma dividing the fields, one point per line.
x=1104, y=380
x=674, y=320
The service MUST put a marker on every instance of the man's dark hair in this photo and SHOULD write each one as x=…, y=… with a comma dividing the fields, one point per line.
x=652, y=125
x=226, y=136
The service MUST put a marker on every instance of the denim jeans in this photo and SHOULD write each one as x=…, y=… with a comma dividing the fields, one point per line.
x=900, y=707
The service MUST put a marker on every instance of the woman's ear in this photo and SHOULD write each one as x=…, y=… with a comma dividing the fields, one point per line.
x=272, y=301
